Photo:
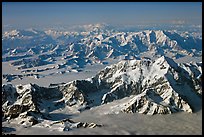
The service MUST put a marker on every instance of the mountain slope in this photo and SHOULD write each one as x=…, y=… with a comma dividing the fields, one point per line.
x=101, y=42
x=145, y=86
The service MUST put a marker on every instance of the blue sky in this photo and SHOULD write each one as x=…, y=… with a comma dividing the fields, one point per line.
x=33, y=14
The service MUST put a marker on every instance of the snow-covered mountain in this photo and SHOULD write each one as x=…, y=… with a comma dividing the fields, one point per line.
x=146, y=81
x=25, y=38
x=96, y=43
x=145, y=86
x=157, y=86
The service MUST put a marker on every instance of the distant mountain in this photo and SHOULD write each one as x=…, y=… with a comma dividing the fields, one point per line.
x=25, y=38
x=99, y=42
x=150, y=87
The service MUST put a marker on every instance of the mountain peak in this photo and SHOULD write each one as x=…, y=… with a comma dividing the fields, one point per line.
x=142, y=86
x=168, y=60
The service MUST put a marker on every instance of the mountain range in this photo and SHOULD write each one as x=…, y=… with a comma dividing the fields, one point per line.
x=145, y=86
x=94, y=44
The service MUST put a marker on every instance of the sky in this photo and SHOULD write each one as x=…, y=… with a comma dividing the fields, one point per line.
x=35, y=14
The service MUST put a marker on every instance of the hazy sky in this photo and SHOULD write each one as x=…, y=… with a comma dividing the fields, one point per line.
x=33, y=14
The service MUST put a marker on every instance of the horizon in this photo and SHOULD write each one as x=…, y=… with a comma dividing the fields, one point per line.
x=59, y=14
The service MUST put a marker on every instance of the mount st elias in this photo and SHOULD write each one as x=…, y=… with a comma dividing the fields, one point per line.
x=145, y=86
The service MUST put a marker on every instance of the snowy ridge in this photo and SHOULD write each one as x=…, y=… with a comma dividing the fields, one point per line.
x=145, y=86
x=162, y=78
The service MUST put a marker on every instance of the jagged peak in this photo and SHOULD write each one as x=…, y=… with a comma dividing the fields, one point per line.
x=168, y=60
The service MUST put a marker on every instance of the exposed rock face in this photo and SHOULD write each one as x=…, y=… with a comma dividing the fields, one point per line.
x=154, y=87
x=9, y=94
x=75, y=93
x=161, y=86
x=29, y=103
x=150, y=102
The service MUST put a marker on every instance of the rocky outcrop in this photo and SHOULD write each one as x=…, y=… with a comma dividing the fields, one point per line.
x=76, y=92
x=150, y=102
x=69, y=124
x=29, y=102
